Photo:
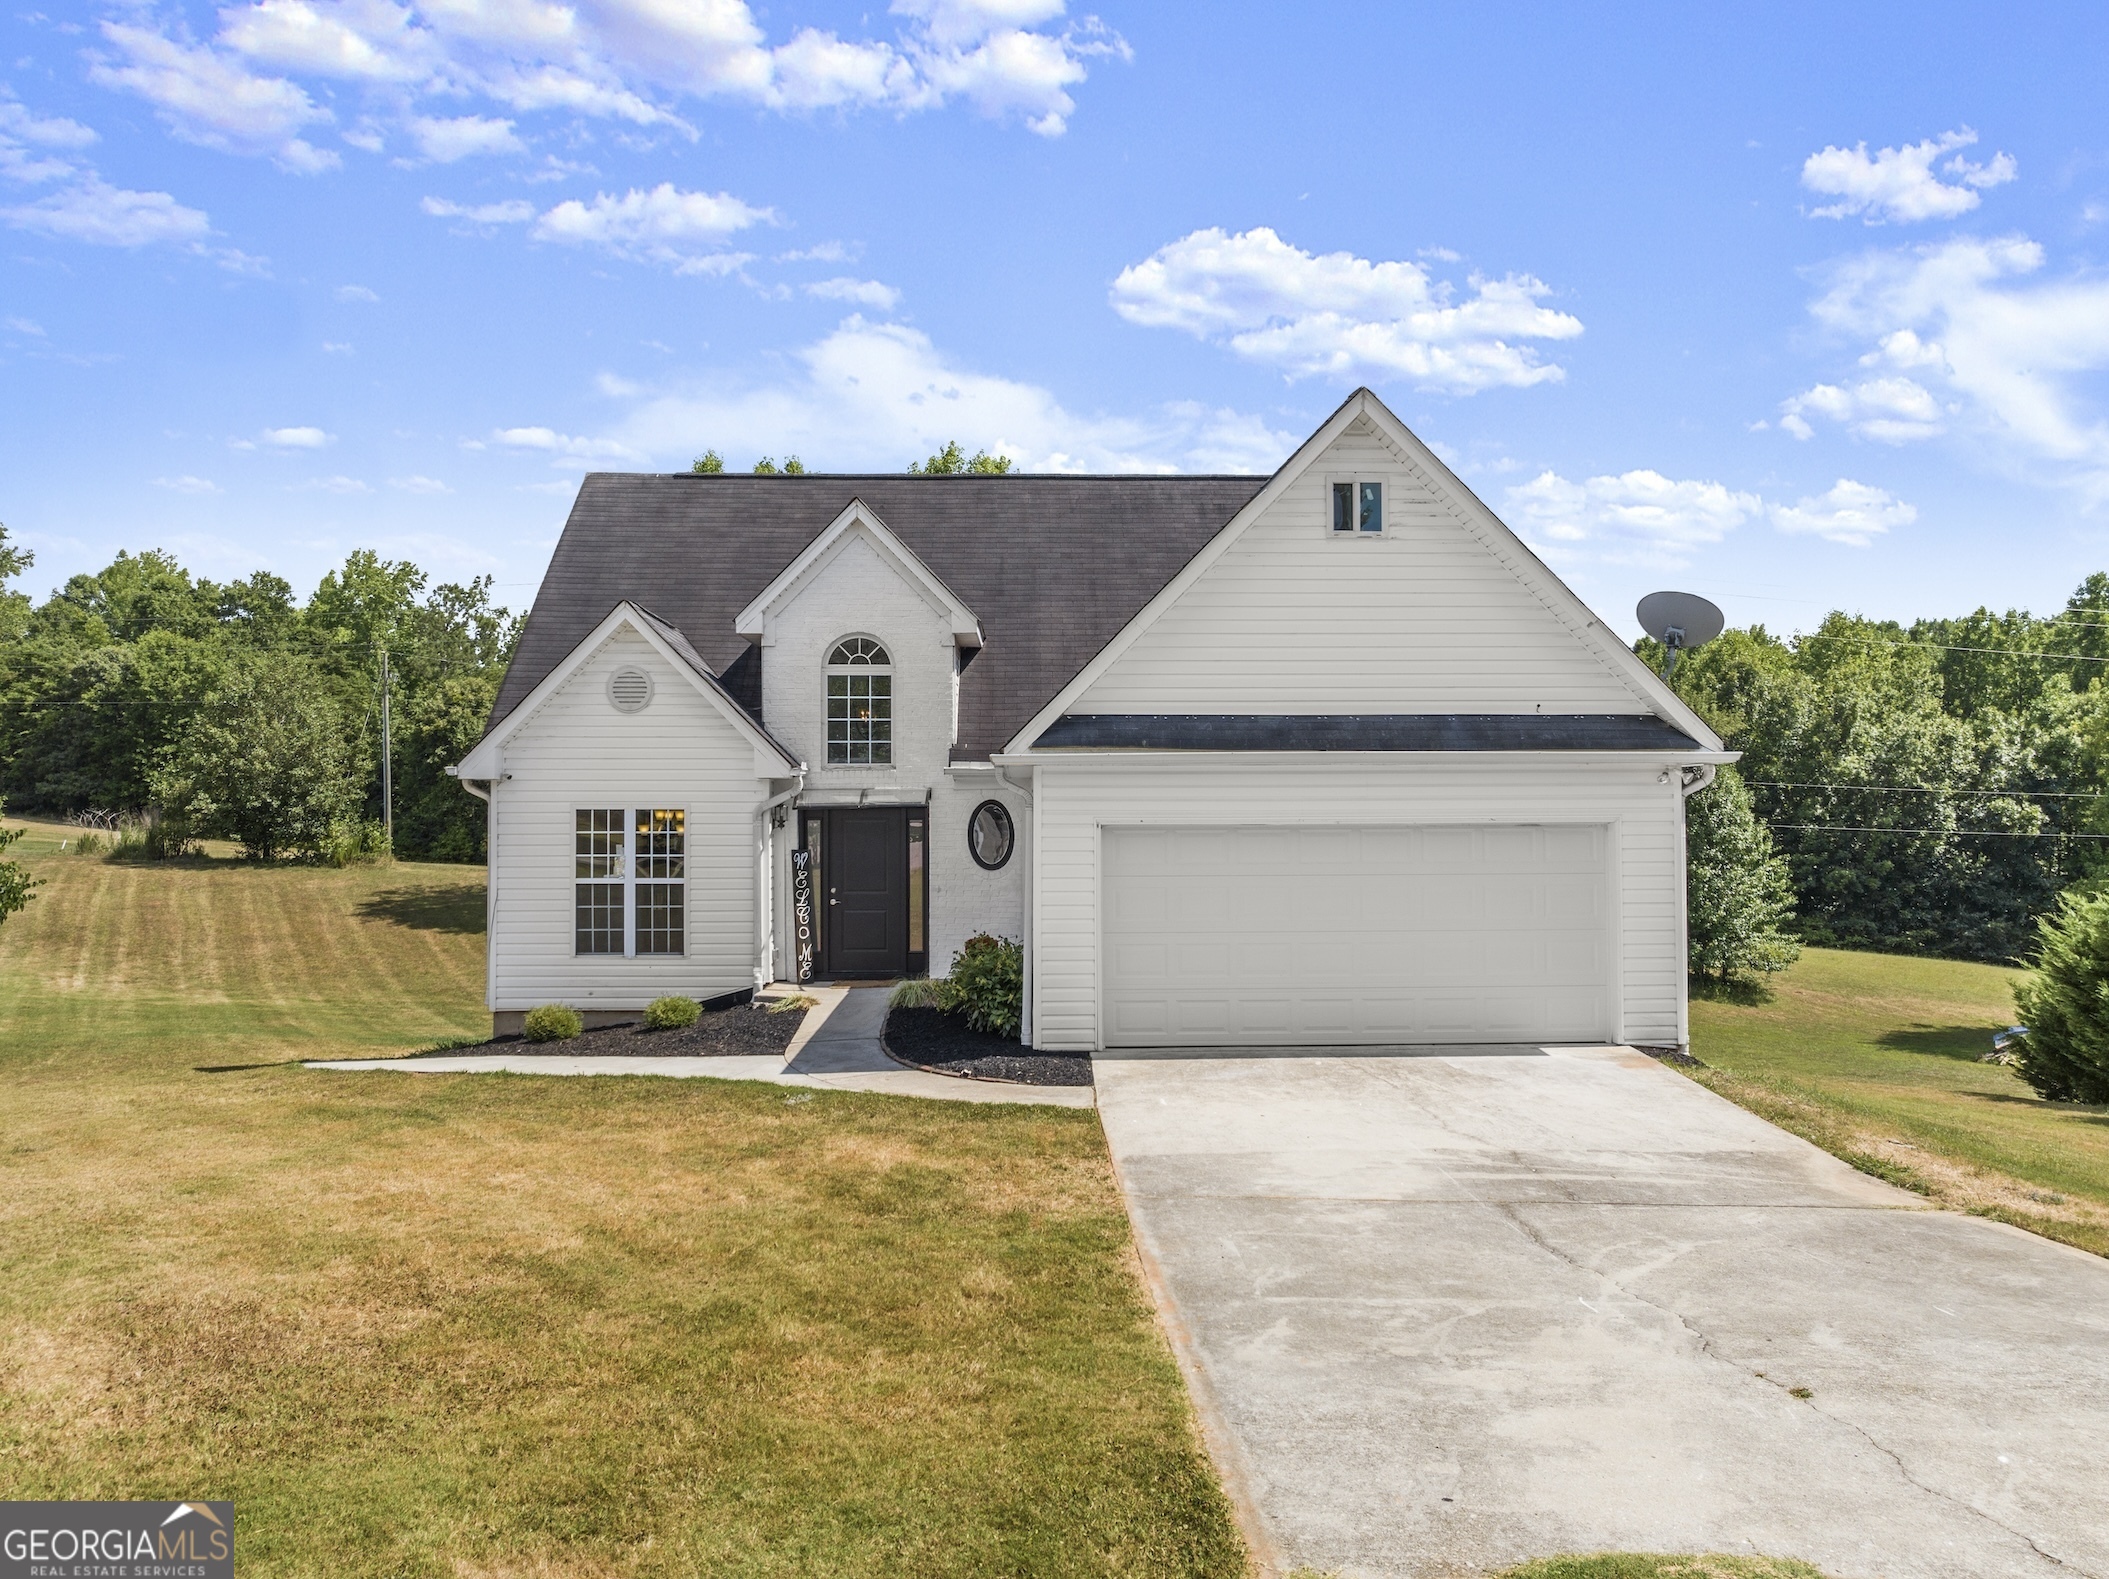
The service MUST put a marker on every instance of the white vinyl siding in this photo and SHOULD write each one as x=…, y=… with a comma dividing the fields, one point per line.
x=1329, y=935
x=578, y=751
x=1424, y=617
x=1077, y=801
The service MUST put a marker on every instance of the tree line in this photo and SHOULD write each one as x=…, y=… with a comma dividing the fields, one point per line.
x=1930, y=788
x=235, y=710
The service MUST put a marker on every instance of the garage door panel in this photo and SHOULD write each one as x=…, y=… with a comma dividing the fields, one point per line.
x=1357, y=935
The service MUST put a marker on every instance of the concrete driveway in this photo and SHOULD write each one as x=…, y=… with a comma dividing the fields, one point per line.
x=1444, y=1313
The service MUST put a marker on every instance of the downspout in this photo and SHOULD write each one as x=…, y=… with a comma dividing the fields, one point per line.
x=1025, y=1008
x=1693, y=779
x=488, y=794
x=1698, y=777
x=765, y=881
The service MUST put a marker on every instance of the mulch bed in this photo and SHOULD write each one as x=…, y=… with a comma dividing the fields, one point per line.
x=1670, y=1055
x=945, y=1044
x=740, y=1031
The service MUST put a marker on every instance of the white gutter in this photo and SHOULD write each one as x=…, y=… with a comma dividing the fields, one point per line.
x=489, y=796
x=1027, y=789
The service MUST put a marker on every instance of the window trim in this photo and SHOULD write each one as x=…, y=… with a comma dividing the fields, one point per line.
x=831, y=671
x=1357, y=481
x=627, y=877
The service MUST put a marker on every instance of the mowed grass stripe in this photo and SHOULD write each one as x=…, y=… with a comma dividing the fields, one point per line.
x=459, y=1326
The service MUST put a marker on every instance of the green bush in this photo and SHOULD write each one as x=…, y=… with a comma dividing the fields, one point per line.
x=357, y=842
x=2065, y=1004
x=552, y=1022
x=919, y=992
x=671, y=1014
x=1737, y=892
x=987, y=985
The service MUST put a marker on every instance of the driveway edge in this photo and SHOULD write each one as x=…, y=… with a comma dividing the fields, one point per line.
x=1233, y=1473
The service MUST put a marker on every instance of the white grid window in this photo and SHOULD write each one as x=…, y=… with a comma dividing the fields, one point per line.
x=859, y=704
x=630, y=880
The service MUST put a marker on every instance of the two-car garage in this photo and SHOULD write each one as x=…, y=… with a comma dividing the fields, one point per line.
x=1345, y=935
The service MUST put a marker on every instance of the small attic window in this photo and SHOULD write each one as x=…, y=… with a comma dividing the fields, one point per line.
x=1357, y=504
x=630, y=690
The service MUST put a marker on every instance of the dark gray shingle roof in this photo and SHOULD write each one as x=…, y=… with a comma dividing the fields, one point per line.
x=1053, y=566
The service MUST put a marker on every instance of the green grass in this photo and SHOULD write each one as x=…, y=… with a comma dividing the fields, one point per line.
x=1875, y=1057
x=483, y=1326
x=1649, y=1565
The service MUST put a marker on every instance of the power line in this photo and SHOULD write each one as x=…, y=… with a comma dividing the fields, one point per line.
x=1958, y=833
x=1927, y=789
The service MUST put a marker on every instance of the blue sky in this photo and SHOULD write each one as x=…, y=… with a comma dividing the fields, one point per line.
x=1795, y=306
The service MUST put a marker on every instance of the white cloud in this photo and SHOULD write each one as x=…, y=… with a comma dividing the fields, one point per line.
x=336, y=348
x=824, y=252
x=419, y=485
x=664, y=225
x=1900, y=184
x=1340, y=315
x=867, y=293
x=187, y=484
x=107, y=216
x=1638, y=516
x=298, y=438
x=1854, y=513
x=209, y=99
x=2009, y=362
x=339, y=484
x=18, y=124
x=565, y=446
x=463, y=136
x=23, y=326
x=631, y=60
x=515, y=211
x=881, y=395
x=356, y=293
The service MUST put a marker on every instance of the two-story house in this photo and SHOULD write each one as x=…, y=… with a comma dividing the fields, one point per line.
x=1327, y=757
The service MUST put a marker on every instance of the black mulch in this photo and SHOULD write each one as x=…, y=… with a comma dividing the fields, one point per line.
x=1670, y=1055
x=945, y=1044
x=742, y=1030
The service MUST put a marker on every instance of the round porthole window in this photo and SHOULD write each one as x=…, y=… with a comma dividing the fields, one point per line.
x=990, y=835
x=630, y=690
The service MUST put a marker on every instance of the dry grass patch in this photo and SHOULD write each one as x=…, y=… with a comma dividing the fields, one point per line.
x=514, y=1326
x=1876, y=1058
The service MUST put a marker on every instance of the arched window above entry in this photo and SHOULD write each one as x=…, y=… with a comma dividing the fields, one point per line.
x=859, y=704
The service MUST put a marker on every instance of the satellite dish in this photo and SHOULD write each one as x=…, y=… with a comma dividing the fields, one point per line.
x=1680, y=621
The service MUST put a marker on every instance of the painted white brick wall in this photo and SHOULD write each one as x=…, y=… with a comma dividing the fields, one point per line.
x=858, y=594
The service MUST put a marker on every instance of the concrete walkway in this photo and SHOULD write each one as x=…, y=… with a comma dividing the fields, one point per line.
x=1445, y=1313
x=836, y=1049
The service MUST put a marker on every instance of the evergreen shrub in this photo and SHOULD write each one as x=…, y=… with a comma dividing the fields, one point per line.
x=2065, y=1004
x=671, y=1014
x=987, y=985
x=552, y=1022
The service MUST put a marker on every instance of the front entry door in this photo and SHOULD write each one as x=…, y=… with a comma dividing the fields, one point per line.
x=867, y=891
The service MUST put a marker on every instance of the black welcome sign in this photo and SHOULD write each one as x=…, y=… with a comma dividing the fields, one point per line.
x=802, y=909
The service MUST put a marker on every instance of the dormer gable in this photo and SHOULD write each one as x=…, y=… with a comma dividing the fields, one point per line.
x=857, y=524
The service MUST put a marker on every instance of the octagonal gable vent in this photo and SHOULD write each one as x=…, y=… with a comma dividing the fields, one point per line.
x=630, y=690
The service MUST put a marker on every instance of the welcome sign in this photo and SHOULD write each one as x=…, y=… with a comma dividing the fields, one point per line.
x=116, y=1540
x=802, y=910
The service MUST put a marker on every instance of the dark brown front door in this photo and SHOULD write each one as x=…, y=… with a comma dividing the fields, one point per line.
x=866, y=873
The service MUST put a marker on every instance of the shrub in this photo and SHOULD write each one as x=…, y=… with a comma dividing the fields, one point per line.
x=987, y=985
x=16, y=885
x=360, y=842
x=552, y=1022
x=2065, y=1004
x=1736, y=889
x=92, y=844
x=671, y=1014
x=918, y=993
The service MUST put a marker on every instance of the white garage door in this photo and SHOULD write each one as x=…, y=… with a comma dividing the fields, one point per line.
x=1334, y=936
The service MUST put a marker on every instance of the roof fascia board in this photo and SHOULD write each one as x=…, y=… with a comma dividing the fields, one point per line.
x=1648, y=758
x=483, y=758
x=1291, y=469
x=753, y=620
x=1542, y=580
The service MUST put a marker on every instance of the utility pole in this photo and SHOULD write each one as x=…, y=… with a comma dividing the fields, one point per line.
x=387, y=761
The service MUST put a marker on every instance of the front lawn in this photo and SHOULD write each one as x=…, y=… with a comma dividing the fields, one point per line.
x=481, y=1326
x=1876, y=1057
